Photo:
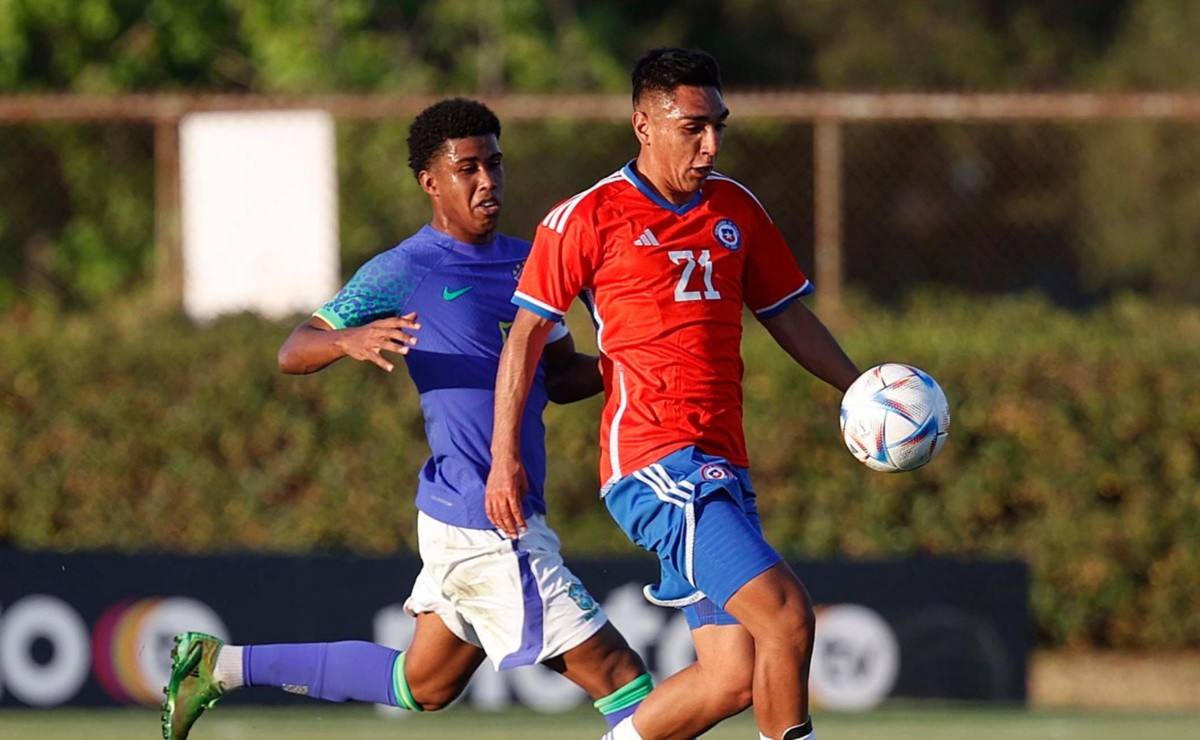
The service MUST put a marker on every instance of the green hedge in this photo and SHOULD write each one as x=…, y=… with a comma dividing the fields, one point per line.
x=1075, y=445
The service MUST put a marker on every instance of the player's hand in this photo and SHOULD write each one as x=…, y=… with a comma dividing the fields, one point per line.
x=506, y=488
x=368, y=342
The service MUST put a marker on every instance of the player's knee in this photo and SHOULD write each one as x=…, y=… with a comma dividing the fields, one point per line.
x=623, y=666
x=606, y=662
x=795, y=628
x=792, y=624
x=803, y=622
x=612, y=644
x=727, y=686
x=734, y=696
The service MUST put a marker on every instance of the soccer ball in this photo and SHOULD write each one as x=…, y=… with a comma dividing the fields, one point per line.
x=895, y=418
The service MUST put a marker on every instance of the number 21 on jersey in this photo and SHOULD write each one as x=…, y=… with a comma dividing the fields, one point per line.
x=689, y=260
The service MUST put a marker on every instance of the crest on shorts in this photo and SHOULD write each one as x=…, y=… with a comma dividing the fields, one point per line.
x=728, y=234
x=715, y=471
x=583, y=599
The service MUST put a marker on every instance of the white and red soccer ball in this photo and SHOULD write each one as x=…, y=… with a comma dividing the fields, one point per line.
x=895, y=418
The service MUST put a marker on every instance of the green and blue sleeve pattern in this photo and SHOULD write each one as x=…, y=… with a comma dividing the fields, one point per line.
x=381, y=288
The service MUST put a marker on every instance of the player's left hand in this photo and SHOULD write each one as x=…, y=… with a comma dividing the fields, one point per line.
x=506, y=488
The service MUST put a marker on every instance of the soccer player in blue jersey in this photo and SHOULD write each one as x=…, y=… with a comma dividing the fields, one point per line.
x=442, y=300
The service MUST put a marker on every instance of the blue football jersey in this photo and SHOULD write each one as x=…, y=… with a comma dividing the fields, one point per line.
x=462, y=295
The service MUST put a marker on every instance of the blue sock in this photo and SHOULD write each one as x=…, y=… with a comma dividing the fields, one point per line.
x=334, y=671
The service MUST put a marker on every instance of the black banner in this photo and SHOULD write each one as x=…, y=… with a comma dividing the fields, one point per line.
x=96, y=629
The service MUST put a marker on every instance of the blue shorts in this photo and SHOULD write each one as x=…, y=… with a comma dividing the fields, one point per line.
x=698, y=514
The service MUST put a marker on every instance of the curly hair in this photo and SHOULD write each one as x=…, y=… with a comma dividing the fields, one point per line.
x=663, y=70
x=456, y=118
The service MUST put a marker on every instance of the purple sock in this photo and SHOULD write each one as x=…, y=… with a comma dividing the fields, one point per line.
x=615, y=718
x=335, y=671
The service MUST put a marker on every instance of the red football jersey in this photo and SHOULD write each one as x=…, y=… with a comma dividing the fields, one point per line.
x=666, y=285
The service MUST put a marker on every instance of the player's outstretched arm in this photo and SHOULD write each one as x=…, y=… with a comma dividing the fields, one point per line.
x=805, y=337
x=571, y=376
x=507, y=484
x=314, y=345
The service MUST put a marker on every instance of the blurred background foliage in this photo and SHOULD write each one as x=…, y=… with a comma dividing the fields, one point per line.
x=111, y=46
x=1073, y=446
x=1064, y=323
x=75, y=217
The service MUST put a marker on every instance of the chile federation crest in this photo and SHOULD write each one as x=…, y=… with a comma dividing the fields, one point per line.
x=728, y=235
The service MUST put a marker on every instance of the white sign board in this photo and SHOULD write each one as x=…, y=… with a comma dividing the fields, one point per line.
x=259, y=210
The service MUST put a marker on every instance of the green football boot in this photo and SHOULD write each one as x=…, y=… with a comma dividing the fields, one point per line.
x=192, y=687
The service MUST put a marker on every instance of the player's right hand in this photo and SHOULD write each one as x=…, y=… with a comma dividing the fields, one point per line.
x=506, y=488
x=393, y=334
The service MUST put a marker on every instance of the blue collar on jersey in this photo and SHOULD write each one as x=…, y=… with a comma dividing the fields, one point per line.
x=632, y=176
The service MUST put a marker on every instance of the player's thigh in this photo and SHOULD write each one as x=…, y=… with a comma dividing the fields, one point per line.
x=725, y=652
x=438, y=660
x=728, y=550
x=600, y=664
x=774, y=604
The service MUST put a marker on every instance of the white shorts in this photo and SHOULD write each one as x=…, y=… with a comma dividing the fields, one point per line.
x=513, y=598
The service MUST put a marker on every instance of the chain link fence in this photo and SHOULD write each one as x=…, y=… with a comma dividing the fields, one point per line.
x=1076, y=209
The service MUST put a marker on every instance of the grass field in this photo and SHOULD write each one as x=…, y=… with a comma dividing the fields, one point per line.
x=362, y=723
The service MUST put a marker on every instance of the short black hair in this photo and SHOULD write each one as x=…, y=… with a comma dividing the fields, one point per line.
x=455, y=118
x=664, y=69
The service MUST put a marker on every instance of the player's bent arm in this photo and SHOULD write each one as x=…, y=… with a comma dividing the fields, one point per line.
x=314, y=344
x=310, y=347
x=571, y=376
x=804, y=336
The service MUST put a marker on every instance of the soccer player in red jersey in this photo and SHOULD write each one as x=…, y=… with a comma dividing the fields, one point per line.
x=666, y=252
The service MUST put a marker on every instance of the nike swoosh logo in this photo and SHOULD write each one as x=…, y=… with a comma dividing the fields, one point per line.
x=450, y=295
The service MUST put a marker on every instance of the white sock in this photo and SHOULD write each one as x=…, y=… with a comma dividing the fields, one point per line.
x=623, y=731
x=228, y=670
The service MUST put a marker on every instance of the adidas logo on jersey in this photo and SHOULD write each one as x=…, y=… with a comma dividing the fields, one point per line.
x=647, y=239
